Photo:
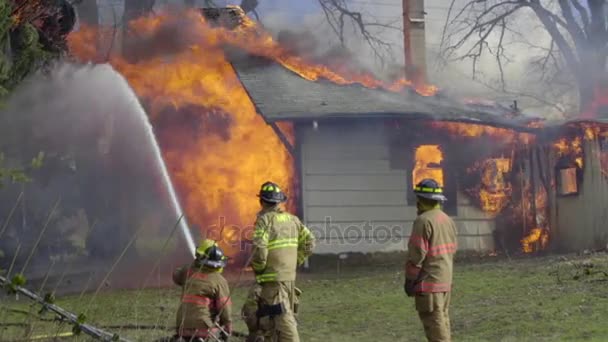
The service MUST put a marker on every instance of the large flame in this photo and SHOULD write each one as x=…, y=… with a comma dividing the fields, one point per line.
x=428, y=164
x=216, y=146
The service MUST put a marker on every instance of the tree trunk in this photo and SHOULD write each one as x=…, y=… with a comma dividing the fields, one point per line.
x=88, y=12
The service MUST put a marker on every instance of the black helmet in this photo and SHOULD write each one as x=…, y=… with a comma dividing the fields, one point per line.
x=271, y=193
x=430, y=189
x=210, y=254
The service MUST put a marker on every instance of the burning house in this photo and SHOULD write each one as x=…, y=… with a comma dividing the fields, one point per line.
x=232, y=108
x=513, y=181
x=359, y=150
x=571, y=164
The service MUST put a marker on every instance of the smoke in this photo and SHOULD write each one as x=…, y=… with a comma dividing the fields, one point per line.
x=521, y=74
x=99, y=162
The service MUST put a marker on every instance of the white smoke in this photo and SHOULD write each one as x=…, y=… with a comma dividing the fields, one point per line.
x=90, y=115
x=455, y=76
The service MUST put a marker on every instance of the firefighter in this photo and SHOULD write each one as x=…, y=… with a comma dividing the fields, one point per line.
x=280, y=243
x=429, y=265
x=205, y=308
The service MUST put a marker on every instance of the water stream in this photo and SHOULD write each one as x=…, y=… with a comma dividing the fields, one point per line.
x=162, y=167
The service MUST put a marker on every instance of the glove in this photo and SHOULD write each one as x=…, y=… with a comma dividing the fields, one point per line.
x=225, y=335
x=409, y=287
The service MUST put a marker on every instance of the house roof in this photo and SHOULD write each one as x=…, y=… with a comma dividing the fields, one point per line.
x=281, y=95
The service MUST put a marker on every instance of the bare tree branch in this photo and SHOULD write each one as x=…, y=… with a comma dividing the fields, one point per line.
x=575, y=31
x=548, y=20
x=500, y=53
x=582, y=12
x=338, y=13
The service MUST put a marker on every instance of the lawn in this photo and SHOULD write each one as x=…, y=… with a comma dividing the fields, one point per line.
x=553, y=298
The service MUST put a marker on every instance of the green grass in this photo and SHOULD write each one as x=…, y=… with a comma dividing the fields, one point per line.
x=493, y=300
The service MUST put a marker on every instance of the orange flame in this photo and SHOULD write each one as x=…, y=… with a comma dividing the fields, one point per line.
x=217, y=148
x=474, y=130
x=427, y=164
x=494, y=190
x=573, y=147
x=537, y=239
x=253, y=39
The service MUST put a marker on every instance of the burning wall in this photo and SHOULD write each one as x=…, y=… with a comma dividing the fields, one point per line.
x=217, y=147
x=491, y=166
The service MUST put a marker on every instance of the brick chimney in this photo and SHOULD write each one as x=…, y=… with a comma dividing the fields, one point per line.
x=414, y=40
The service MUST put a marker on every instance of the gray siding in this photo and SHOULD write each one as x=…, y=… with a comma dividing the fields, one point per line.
x=354, y=201
x=580, y=221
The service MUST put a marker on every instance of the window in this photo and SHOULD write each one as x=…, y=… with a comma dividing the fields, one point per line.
x=568, y=174
x=567, y=183
x=427, y=164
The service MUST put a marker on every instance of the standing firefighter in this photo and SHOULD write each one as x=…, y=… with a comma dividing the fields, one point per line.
x=280, y=243
x=205, y=302
x=428, y=270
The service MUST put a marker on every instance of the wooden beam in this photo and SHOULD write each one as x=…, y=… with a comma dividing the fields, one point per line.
x=283, y=138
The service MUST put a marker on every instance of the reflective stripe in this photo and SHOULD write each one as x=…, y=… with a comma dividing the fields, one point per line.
x=206, y=301
x=304, y=234
x=258, y=265
x=282, y=243
x=447, y=248
x=424, y=286
x=266, y=277
x=197, y=300
x=433, y=190
x=261, y=233
x=283, y=217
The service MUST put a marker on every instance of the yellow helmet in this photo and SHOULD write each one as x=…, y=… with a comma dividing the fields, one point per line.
x=210, y=254
x=203, y=245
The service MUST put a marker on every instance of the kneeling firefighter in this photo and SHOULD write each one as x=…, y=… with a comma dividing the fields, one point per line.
x=205, y=310
x=280, y=243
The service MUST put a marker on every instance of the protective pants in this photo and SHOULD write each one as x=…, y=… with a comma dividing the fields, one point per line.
x=433, y=312
x=280, y=328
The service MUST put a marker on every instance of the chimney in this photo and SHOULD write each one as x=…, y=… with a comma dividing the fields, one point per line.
x=414, y=42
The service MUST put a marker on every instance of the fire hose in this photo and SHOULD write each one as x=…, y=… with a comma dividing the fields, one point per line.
x=64, y=314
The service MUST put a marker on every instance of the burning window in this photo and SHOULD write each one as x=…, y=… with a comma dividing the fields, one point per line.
x=494, y=189
x=568, y=172
x=570, y=148
x=427, y=164
x=567, y=183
